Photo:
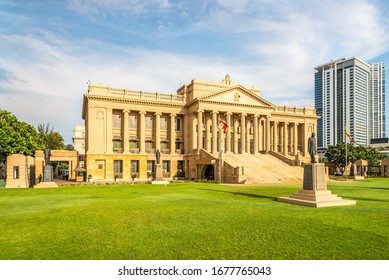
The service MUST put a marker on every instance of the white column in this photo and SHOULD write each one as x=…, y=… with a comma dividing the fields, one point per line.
x=142, y=142
x=228, y=132
x=214, y=131
x=243, y=132
x=172, y=135
x=126, y=144
x=157, y=131
x=295, y=138
x=256, y=142
x=199, y=130
x=275, y=137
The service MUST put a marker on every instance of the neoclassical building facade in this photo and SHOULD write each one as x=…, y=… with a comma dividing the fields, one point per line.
x=124, y=129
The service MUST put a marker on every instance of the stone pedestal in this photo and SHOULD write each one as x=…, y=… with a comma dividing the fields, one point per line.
x=47, y=181
x=158, y=176
x=314, y=192
x=48, y=173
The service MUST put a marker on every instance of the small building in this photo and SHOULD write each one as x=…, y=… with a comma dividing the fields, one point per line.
x=20, y=171
x=362, y=167
x=385, y=168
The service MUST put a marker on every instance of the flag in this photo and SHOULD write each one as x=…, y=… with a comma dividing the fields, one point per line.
x=351, y=138
x=223, y=125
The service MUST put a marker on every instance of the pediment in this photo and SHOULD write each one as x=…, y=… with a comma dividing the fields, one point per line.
x=237, y=95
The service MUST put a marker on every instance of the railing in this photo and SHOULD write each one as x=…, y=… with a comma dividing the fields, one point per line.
x=295, y=110
x=104, y=90
x=134, y=151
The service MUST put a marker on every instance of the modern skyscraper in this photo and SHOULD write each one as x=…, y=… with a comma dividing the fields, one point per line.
x=349, y=96
x=377, y=101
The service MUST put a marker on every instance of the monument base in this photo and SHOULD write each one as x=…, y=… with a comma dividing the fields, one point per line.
x=158, y=172
x=44, y=185
x=314, y=192
x=159, y=182
x=48, y=173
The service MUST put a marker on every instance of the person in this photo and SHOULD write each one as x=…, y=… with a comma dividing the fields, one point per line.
x=158, y=156
x=47, y=154
x=312, y=147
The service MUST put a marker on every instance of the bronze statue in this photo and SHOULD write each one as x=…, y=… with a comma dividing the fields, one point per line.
x=158, y=156
x=312, y=148
x=47, y=154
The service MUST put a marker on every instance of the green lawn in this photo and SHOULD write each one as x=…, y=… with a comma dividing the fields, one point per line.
x=192, y=221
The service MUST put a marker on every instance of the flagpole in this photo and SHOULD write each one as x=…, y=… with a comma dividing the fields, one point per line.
x=345, y=168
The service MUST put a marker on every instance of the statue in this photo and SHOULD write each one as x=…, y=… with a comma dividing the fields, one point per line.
x=158, y=156
x=47, y=154
x=312, y=147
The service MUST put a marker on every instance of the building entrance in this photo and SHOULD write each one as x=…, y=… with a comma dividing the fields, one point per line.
x=209, y=172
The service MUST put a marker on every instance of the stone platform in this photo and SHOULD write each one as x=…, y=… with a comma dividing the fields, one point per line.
x=321, y=198
x=314, y=192
x=44, y=185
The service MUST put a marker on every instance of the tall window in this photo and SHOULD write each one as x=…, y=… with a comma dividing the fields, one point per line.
x=133, y=121
x=117, y=146
x=180, y=168
x=16, y=172
x=149, y=122
x=118, y=169
x=163, y=123
x=150, y=168
x=134, y=167
x=178, y=124
x=116, y=120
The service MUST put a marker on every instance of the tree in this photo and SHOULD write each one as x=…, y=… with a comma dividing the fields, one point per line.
x=17, y=136
x=69, y=147
x=50, y=138
x=336, y=154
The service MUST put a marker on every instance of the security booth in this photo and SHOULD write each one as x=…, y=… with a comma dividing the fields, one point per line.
x=385, y=167
x=80, y=174
x=20, y=171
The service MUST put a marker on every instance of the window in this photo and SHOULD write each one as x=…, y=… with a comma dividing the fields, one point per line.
x=133, y=121
x=163, y=123
x=116, y=120
x=100, y=166
x=118, y=169
x=117, y=146
x=134, y=166
x=178, y=124
x=133, y=144
x=180, y=168
x=149, y=122
x=16, y=172
x=150, y=168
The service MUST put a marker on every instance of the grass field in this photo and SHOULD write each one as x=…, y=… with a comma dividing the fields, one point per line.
x=192, y=221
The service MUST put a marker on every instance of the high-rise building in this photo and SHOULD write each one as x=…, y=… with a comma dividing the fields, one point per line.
x=377, y=101
x=349, y=96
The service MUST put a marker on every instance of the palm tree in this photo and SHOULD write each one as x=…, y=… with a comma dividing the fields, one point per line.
x=50, y=138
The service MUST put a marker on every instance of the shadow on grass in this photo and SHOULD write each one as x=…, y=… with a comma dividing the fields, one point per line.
x=243, y=194
x=366, y=199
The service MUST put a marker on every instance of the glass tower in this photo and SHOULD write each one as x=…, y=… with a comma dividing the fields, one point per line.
x=349, y=96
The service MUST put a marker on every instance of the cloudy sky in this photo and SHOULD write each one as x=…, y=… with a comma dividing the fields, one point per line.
x=50, y=49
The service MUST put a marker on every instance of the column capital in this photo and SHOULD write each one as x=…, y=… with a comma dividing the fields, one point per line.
x=215, y=112
x=229, y=113
x=158, y=113
x=243, y=115
x=173, y=115
x=286, y=123
x=199, y=111
x=126, y=111
x=142, y=112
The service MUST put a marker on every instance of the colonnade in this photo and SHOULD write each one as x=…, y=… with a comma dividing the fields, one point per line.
x=247, y=133
x=141, y=132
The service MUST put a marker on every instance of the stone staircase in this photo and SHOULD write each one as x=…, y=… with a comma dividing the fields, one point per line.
x=264, y=168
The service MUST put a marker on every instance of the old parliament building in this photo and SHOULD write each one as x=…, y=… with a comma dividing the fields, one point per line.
x=124, y=128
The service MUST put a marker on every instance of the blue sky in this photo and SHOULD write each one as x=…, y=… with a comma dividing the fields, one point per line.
x=50, y=49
